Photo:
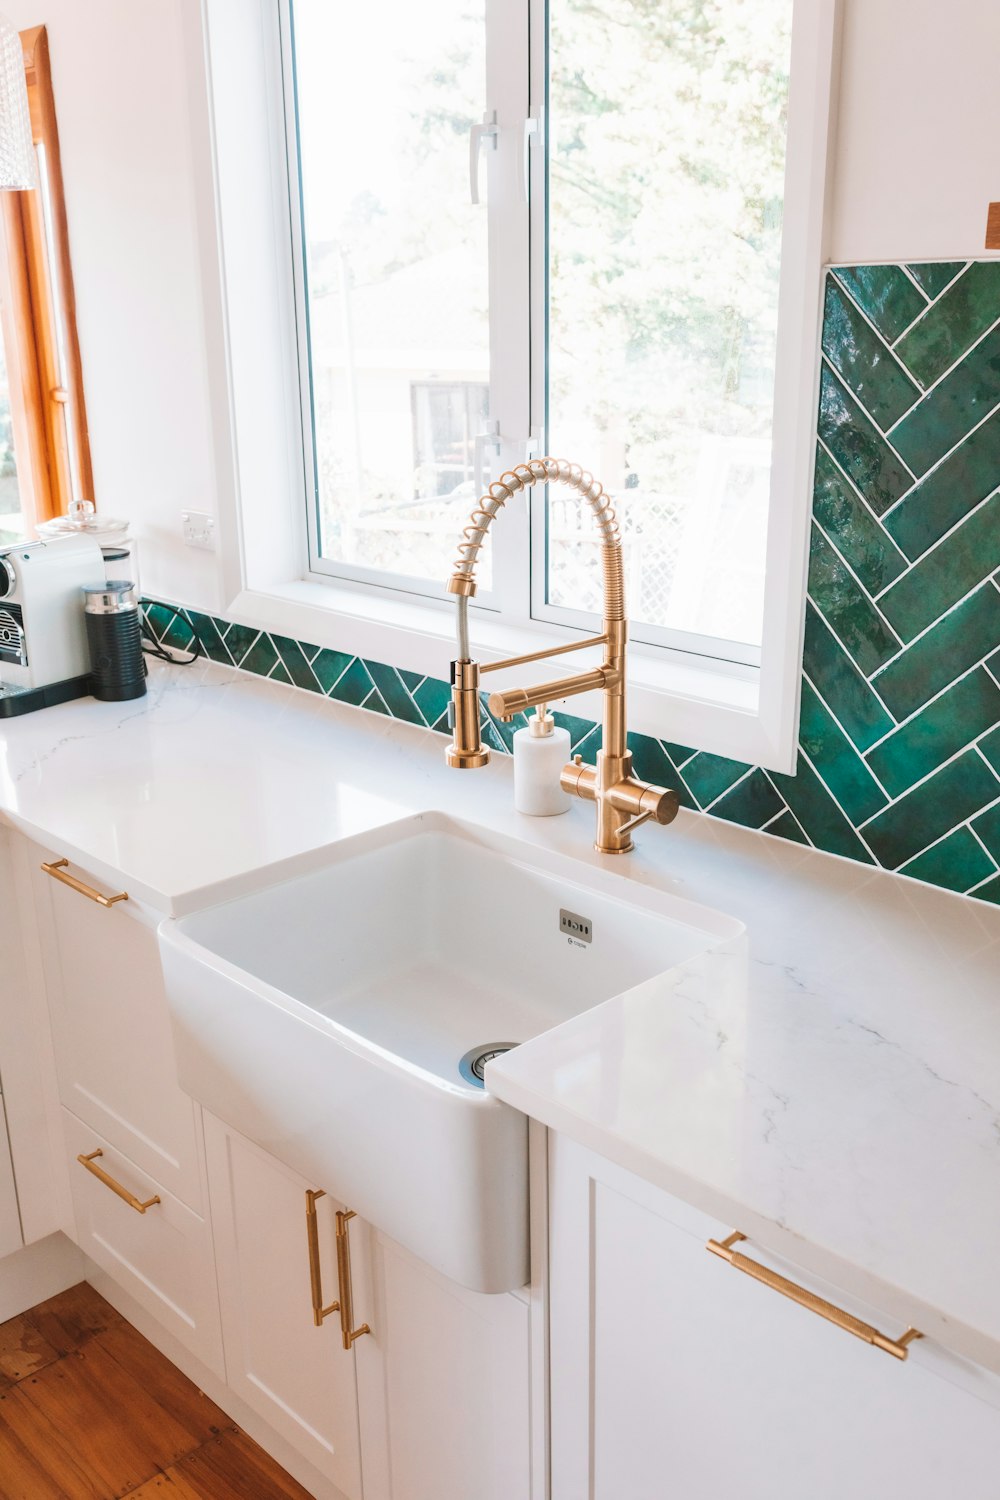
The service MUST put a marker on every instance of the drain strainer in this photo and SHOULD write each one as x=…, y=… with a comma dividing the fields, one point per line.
x=473, y=1064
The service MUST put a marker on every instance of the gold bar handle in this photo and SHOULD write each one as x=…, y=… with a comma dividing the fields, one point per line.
x=116, y=1187
x=898, y=1348
x=57, y=869
x=315, y=1271
x=348, y=1333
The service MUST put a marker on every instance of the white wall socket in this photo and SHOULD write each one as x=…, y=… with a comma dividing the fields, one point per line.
x=198, y=529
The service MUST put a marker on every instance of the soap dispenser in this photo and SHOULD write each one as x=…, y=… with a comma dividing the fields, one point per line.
x=540, y=752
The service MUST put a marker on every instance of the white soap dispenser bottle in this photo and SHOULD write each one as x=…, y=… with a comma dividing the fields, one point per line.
x=540, y=752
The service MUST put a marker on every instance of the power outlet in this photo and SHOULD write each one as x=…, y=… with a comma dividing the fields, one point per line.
x=198, y=529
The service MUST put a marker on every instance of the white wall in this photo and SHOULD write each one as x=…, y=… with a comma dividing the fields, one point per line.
x=916, y=164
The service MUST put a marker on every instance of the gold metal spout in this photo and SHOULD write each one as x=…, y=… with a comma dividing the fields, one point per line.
x=623, y=801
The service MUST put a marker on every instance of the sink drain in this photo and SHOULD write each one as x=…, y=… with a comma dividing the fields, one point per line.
x=473, y=1064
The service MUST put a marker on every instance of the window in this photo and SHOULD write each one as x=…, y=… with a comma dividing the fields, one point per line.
x=593, y=229
x=44, y=448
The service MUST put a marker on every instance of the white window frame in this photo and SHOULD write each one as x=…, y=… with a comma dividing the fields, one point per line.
x=726, y=707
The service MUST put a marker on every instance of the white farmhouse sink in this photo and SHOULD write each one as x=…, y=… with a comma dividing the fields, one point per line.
x=326, y=1014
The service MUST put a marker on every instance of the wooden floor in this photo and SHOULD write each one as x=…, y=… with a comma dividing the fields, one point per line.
x=89, y=1410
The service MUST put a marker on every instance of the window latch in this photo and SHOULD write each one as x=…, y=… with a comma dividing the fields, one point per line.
x=488, y=130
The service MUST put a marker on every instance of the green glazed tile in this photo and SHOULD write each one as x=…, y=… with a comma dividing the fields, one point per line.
x=491, y=737
x=850, y=525
x=432, y=698
x=208, y=635
x=949, y=797
x=993, y=665
x=847, y=610
x=375, y=703
x=955, y=566
x=988, y=826
x=939, y=731
x=178, y=634
x=752, y=802
x=279, y=673
x=157, y=617
x=859, y=447
x=411, y=680
x=502, y=733
x=935, y=275
x=295, y=664
x=328, y=666
x=864, y=361
x=354, y=686
x=959, y=641
x=820, y=817
x=836, y=760
x=261, y=657
x=989, y=892
x=956, y=863
x=786, y=827
x=651, y=762
x=394, y=694
x=841, y=685
x=990, y=747
x=579, y=729
x=948, y=413
x=708, y=776
x=679, y=754
x=886, y=294
x=949, y=492
x=239, y=639
x=965, y=311
x=440, y=726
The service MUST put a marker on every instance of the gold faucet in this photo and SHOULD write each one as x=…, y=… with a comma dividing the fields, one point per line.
x=623, y=801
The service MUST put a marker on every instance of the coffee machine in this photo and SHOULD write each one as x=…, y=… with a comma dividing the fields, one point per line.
x=44, y=658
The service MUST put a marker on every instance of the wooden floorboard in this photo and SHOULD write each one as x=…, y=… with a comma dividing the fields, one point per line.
x=90, y=1410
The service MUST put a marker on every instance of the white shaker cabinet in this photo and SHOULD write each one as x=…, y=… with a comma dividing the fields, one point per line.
x=10, y=1219
x=677, y=1377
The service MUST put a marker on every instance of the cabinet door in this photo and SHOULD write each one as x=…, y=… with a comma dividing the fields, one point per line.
x=111, y=1030
x=675, y=1377
x=296, y=1375
x=444, y=1385
x=10, y=1219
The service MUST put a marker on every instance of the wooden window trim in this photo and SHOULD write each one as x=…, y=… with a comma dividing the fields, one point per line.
x=48, y=411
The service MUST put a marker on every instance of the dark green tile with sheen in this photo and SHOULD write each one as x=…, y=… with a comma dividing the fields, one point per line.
x=841, y=685
x=853, y=529
x=650, y=762
x=949, y=797
x=965, y=311
x=239, y=639
x=329, y=666
x=678, y=753
x=864, y=361
x=786, y=827
x=990, y=747
x=936, y=733
x=886, y=294
x=432, y=698
x=752, y=802
x=949, y=412
x=989, y=892
x=261, y=657
x=209, y=637
x=354, y=686
x=959, y=641
x=411, y=680
x=949, y=492
x=397, y=699
x=708, y=776
x=376, y=704
x=178, y=634
x=279, y=673
x=952, y=570
x=859, y=447
x=836, y=760
x=847, y=609
x=957, y=862
x=988, y=829
x=295, y=664
x=934, y=275
x=819, y=815
x=157, y=616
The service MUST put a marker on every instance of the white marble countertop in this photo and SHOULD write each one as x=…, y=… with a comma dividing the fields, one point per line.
x=830, y=1085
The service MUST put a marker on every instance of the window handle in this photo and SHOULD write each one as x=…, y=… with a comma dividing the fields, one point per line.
x=481, y=475
x=529, y=134
x=487, y=131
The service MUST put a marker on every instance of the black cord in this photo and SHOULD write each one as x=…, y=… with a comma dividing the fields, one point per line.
x=152, y=647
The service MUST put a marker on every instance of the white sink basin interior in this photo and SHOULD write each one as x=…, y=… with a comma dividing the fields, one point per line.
x=326, y=1016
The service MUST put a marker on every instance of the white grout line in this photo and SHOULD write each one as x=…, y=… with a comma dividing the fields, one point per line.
x=887, y=346
x=921, y=316
x=795, y=820
x=854, y=827
x=927, y=630
x=870, y=598
x=732, y=787
x=868, y=681
x=939, y=464
x=910, y=277
x=919, y=561
x=946, y=835
x=904, y=723
x=937, y=769
x=876, y=519
x=858, y=754
x=861, y=406
x=940, y=379
x=989, y=856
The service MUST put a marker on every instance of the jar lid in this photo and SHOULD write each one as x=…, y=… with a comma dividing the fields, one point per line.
x=82, y=517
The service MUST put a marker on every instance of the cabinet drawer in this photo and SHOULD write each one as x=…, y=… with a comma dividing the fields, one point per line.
x=162, y=1256
x=111, y=1030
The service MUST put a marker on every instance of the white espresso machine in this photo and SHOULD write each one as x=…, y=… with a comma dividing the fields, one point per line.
x=43, y=638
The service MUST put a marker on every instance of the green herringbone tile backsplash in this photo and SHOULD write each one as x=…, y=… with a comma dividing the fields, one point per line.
x=899, y=741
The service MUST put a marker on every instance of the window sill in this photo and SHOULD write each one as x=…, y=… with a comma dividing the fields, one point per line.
x=687, y=700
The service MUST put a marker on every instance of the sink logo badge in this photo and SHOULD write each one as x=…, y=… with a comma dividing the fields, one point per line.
x=579, y=930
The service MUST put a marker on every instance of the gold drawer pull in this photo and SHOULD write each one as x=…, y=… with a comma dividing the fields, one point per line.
x=315, y=1272
x=898, y=1348
x=348, y=1333
x=116, y=1187
x=57, y=869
